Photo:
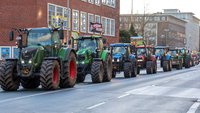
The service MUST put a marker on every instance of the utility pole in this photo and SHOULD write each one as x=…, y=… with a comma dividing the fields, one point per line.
x=68, y=23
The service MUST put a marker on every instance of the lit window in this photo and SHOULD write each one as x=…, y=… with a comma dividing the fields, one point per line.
x=58, y=15
x=75, y=20
x=90, y=20
x=83, y=21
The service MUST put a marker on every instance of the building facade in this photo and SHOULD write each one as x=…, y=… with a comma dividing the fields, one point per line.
x=191, y=27
x=157, y=29
x=75, y=15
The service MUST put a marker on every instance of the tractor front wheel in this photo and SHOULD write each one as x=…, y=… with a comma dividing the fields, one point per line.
x=165, y=66
x=127, y=70
x=108, y=69
x=50, y=74
x=8, y=81
x=70, y=72
x=149, y=67
x=97, y=72
x=80, y=78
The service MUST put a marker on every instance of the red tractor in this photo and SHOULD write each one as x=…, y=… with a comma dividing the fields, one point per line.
x=146, y=59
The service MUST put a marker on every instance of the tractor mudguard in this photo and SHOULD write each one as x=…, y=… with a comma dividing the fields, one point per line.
x=97, y=59
x=52, y=58
x=65, y=52
x=104, y=55
x=11, y=59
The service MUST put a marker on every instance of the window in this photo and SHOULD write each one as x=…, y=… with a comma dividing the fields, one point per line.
x=112, y=27
x=90, y=20
x=75, y=20
x=108, y=26
x=97, y=19
x=91, y=1
x=84, y=0
x=97, y=2
x=57, y=15
x=103, y=22
x=83, y=21
x=110, y=3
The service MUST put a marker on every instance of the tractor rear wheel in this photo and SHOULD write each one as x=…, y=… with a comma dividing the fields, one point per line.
x=80, y=78
x=108, y=69
x=149, y=67
x=114, y=74
x=170, y=65
x=30, y=83
x=50, y=74
x=97, y=72
x=138, y=70
x=187, y=63
x=165, y=66
x=180, y=66
x=127, y=70
x=70, y=72
x=134, y=70
x=154, y=67
x=8, y=81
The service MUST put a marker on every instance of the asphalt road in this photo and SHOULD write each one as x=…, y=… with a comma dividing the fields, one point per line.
x=177, y=91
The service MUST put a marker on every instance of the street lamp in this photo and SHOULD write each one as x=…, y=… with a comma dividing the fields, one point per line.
x=68, y=23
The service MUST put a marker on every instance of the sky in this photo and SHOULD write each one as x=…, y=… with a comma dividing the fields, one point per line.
x=153, y=6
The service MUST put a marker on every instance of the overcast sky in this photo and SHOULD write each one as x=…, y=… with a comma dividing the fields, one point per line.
x=153, y=6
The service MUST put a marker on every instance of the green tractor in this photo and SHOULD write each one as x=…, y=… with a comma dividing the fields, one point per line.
x=42, y=60
x=93, y=58
x=187, y=57
x=177, y=58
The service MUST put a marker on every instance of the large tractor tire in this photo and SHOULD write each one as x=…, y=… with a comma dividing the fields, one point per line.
x=70, y=72
x=50, y=74
x=166, y=66
x=138, y=70
x=108, y=69
x=80, y=78
x=127, y=70
x=154, y=67
x=170, y=65
x=114, y=74
x=180, y=66
x=97, y=72
x=149, y=67
x=30, y=83
x=8, y=81
x=134, y=70
x=187, y=63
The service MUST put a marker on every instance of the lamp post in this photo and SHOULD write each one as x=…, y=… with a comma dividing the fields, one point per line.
x=68, y=23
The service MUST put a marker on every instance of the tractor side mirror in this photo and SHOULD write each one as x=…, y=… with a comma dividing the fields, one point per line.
x=61, y=34
x=11, y=36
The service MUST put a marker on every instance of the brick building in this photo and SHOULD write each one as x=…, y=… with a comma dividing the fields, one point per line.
x=43, y=13
x=157, y=29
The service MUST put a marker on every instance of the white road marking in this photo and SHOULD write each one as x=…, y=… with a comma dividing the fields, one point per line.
x=194, y=107
x=96, y=105
x=122, y=96
x=28, y=96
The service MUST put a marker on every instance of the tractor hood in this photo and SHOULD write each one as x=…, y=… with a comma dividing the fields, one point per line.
x=117, y=56
x=28, y=52
x=83, y=51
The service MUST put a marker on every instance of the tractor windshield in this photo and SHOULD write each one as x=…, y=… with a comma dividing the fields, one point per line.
x=87, y=44
x=39, y=37
x=118, y=50
x=173, y=52
x=140, y=51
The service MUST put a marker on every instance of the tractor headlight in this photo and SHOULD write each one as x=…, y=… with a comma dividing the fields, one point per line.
x=117, y=60
x=140, y=60
x=113, y=60
x=22, y=62
x=82, y=62
x=30, y=61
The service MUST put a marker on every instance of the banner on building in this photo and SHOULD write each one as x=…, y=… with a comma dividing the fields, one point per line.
x=96, y=27
x=59, y=21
